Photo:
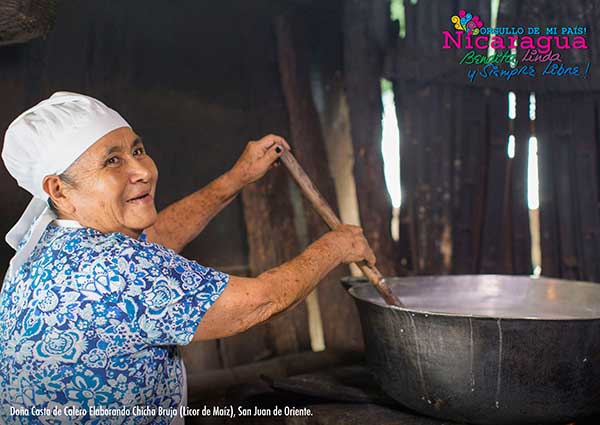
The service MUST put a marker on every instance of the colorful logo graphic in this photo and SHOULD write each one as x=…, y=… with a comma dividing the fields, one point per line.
x=495, y=49
x=467, y=22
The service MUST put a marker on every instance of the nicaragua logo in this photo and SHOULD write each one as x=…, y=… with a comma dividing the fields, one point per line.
x=507, y=52
x=466, y=22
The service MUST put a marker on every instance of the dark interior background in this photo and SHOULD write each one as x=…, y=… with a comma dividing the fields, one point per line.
x=196, y=79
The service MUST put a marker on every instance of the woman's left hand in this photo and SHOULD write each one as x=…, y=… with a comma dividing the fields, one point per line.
x=258, y=157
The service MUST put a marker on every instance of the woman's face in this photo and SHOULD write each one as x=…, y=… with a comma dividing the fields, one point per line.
x=114, y=185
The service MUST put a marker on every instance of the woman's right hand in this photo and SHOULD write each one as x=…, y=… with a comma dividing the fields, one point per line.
x=350, y=242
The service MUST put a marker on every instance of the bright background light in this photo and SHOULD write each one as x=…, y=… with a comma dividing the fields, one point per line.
x=510, y=149
x=532, y=106
x=390, y=148
x=533, y=194
x=512, y=105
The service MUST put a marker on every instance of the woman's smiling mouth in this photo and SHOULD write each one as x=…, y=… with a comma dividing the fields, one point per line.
x=144, y=198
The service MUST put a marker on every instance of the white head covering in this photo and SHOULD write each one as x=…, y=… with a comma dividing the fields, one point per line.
x=46, y=140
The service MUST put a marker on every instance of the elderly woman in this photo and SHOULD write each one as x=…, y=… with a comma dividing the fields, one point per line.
x=97, y=299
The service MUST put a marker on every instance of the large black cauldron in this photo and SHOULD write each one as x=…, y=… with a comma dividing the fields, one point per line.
x=486, y=349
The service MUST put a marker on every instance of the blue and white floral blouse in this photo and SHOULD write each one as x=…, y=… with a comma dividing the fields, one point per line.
x=94, y=319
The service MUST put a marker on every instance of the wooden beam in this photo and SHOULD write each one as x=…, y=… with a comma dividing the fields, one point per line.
x=268, y=212
x=548, y=176
x=559, y=246
x=272, y=240
x=494, y=245
x=585, y=174
x=362, y=73
x=339, y=317
x=470, y=164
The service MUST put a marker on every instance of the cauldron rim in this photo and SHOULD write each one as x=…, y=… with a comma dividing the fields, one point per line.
x=355, y=284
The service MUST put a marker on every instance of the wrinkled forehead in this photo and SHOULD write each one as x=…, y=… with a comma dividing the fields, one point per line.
x=118, y=140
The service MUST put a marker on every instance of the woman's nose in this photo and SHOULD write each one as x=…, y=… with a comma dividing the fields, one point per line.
x=138, y=171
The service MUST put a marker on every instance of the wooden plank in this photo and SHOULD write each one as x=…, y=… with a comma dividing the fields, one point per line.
x=268, y=211
x=521, y=238
x=563, y=133
x=409, y=254
x=423, y=188
x=480, y=174
x=362, y=67
x=429, y=159
x=412, y=26
x=412, y=102
x=445, y=128
x=494, y=241
x=439, y=156
x=426, y=162
x=330, y=100
x=585, y=175
x=458, y=172
x=340, y=322
x=272, y=240
x=433, y=173
x=425, y=154
x=421, y=21
x=547, y=157
x=470, y=164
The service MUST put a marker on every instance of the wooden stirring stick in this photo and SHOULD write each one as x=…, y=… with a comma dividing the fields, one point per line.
x=320, y=204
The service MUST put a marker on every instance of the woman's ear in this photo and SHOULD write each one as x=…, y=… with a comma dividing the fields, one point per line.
x=55, y=188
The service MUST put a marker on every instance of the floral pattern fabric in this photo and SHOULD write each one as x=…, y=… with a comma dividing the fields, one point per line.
x=94, y=319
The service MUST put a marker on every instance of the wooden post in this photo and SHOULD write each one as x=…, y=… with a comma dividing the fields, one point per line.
x=362, y=68
x=494, y=254
x=340, y=319
x=268, y=213
x=470, y=172
x=549, y=238
x=584, y=171
x=569, y=218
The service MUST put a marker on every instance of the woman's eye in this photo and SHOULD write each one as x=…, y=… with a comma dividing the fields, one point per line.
x=112, y=160
x=138, y=151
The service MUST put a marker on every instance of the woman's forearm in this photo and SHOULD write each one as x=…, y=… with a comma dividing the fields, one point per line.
x=246, y=302
x=292, y=281
x=182, y=221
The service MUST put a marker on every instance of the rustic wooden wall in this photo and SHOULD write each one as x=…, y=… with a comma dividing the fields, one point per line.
x=566, y=126
x=458, y=183
x=460, y=210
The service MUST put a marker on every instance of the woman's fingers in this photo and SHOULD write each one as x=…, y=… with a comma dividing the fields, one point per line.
x=352, y=243
x=273, y=153
x=370, y=256
x=270, y=140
